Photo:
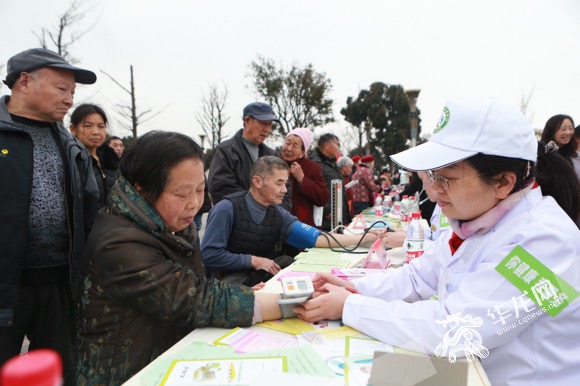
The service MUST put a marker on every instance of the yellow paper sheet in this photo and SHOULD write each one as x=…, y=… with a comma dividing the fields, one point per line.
x=292, y=326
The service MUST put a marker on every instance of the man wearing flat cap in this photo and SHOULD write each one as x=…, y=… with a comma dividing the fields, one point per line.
x=229, y=171
x=47, y=205
x=362, y=193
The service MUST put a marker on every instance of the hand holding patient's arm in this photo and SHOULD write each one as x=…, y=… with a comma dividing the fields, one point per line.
x=327, y=305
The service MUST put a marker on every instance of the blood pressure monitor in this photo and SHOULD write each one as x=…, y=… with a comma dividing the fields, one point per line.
x=296, y=289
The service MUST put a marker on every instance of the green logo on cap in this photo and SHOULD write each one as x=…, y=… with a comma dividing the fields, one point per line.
x=443, y=119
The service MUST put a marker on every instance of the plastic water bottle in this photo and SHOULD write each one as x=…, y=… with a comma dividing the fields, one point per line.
x=413, y=205
x=379, y=206
x=386, y=204
x=415, y=237
x=405, y=209
x=396, y=208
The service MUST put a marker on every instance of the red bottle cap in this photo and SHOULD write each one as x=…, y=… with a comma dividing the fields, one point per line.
x=36, y=368
x=416, y=215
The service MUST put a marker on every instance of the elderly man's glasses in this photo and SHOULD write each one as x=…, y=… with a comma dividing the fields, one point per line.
x=444, y=181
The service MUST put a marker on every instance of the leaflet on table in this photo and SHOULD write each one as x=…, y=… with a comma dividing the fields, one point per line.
x=296, y=326
x=312, y=253
x=333, y=348
x=357, y=370
x=359, y=358
x=246, y=341
x=295, y=274
x=217, y=372
x=332, y=333
x=356, y=346
x=351, y=273
x=323, y=262
x=289, y=379
x=331, y=352
x=301, y=360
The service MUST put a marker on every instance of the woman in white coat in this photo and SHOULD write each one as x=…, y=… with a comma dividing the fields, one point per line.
x=506, y=281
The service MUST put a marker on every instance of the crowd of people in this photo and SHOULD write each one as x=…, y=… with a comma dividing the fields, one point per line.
x=102, y=261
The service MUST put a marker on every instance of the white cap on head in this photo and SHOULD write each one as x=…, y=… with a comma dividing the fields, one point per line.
x=469, y=126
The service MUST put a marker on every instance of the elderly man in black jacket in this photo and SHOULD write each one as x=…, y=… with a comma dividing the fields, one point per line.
x=229, y=171
x=47, y=205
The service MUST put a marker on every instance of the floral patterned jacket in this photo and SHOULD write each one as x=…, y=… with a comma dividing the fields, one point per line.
x=363, y=192
x=142, y=289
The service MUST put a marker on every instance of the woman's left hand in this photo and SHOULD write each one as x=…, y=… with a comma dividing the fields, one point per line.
x=296, y=172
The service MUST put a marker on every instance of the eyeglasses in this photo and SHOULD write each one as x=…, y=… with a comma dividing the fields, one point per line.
x=444, y=181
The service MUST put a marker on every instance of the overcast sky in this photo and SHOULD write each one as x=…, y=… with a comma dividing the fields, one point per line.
x=446, y=48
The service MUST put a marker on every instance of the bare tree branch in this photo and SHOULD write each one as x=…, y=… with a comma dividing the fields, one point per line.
x=154, y=114
x=129, y=112
x=524, y=104
x=212, y=117
x=350, y=137
x=63, y=36
x=116, y=82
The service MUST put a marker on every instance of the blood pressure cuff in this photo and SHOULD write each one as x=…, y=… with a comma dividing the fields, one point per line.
x=286, y=309
x=302, y=235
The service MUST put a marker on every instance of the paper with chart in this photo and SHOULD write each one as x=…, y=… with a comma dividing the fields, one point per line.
x=216, y=372
x=246, y=341
x=358, y=359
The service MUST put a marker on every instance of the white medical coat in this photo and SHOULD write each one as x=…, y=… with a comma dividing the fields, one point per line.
x=543, y=350
x=436, y=229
